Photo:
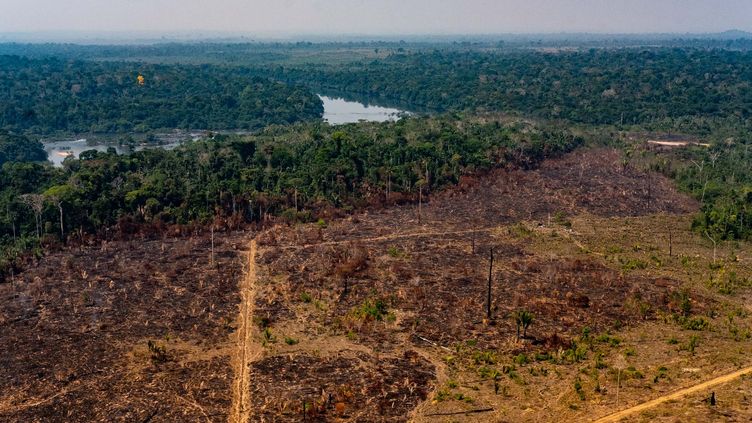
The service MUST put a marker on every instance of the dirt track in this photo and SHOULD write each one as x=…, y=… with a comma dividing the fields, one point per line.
x=674, y=396
x=247, y=351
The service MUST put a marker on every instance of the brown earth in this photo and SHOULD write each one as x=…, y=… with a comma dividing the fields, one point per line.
x=366, y=319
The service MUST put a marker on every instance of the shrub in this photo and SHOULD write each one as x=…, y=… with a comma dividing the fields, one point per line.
x=521, y=359
x=484, y=357
x=697, y=323
x=157, y=352
x=605, y=338
x=371, y=310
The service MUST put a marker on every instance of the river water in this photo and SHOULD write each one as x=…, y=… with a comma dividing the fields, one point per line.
x=337, y=111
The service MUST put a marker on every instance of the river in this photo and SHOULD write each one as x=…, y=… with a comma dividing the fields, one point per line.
x=337, y=111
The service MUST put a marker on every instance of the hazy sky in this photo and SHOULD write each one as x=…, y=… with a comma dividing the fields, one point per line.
x=377, y=16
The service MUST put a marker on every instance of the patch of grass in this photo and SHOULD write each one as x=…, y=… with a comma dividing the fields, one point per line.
x=542, y=356
x=599, y=363
x=462, y=397
x=629, y=373
x=728, y=283
x=661, y=374
x=521, y=359
x=629, y=264
x=697, y=323
x=577, y=353
x=290, y=341
x=560, y=218
x=267, y=336
x=606, y=338
x=578, y=389
x=442, y=395
x=691, y=344
x=371, y=310
x=484, y=357
x=395, y=252
x=306, y=297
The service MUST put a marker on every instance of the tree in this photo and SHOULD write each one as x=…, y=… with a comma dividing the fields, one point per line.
x=488, y=294
x=57, y=195
x=523, y=319
x=36, y=203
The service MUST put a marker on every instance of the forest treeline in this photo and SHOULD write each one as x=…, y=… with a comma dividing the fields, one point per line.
x=605, y=86
x=42, y=96
x=719, y=176
x=295, y=172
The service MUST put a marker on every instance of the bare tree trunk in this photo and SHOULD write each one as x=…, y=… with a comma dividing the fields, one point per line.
x=670, y=242
x=714, y=244
x=420, y=202
x=62, y=228
x=488, y=293
x=212, y=245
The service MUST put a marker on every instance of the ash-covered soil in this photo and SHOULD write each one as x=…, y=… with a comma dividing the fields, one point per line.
x=76, y=327
x=353, y=317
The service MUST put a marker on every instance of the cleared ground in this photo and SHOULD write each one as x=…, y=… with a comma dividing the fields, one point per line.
x=382, y=316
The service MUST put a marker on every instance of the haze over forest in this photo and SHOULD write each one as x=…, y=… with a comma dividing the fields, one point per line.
x=301, y=17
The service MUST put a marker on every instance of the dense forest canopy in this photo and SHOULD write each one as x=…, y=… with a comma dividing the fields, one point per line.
x=626, y=86
x=47, y=95
x=14, y=148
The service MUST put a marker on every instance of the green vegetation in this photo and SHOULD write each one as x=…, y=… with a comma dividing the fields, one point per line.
x=157, y=352
x=601, y=86
x=16, y=148
x=244, y=179
x=522, y=319
x=48, y=95
x=372, y=310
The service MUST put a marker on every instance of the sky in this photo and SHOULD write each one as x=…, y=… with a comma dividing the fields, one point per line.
x=377, y=16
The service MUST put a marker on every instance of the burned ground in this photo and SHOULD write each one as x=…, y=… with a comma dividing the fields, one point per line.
x=76, y=329
x=376, y=317
x=352, y=386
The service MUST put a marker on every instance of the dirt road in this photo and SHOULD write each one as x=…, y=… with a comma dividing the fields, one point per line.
x=247, y=351
x=674, y=396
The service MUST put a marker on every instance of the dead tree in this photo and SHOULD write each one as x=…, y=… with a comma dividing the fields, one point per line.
x=715, y=244
x=36, y=203
x=670, y=241
x=58, y=202
x=488, y=292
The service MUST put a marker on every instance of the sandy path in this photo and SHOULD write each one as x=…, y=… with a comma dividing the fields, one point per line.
x=674, y=396
x=247, y=351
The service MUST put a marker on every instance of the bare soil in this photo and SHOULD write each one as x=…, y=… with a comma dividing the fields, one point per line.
x=381, y=316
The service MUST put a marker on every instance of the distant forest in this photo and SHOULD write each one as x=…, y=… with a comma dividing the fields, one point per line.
x=47, y=95
x=626, y=86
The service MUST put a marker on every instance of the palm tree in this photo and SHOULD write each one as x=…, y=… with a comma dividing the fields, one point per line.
x=523, y=319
